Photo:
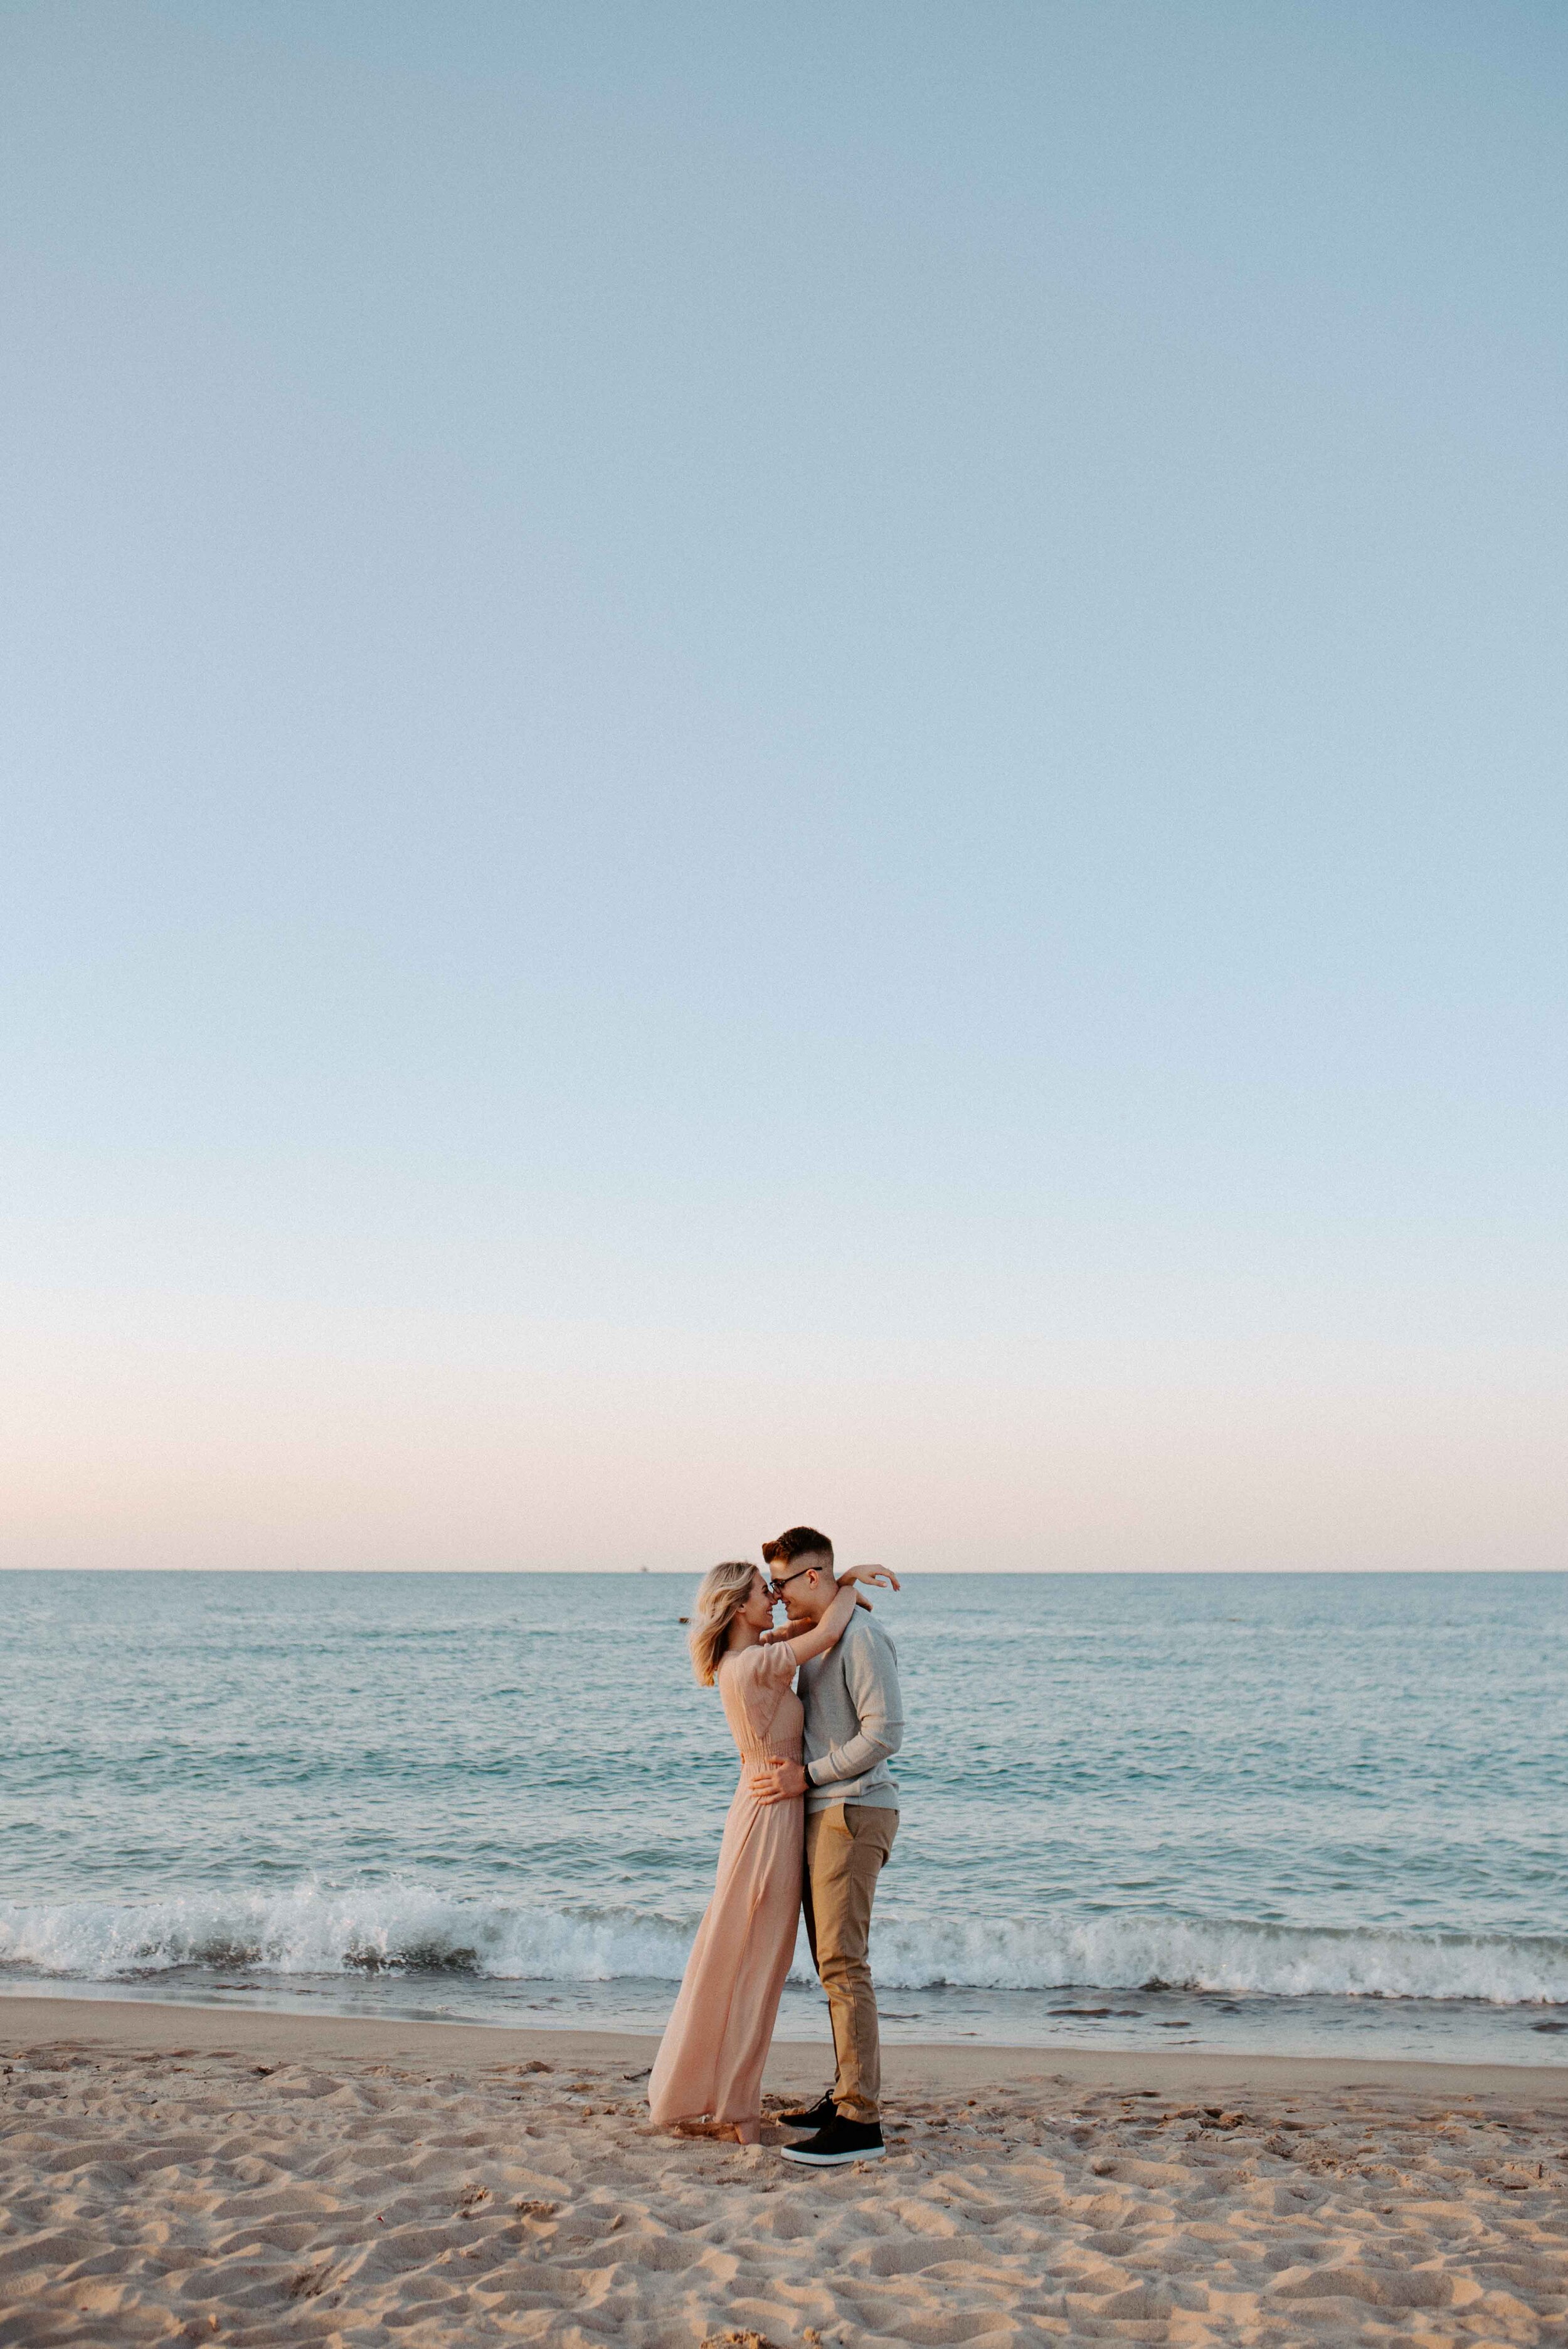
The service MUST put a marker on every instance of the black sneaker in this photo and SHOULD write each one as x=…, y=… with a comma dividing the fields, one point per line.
x=838, y=2142
x=813, y=2116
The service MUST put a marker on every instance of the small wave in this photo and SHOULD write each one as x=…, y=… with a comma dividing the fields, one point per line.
x=312, y=1928
x=1240, y=1959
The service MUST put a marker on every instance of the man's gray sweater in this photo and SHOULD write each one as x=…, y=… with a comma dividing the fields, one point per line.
x=854, y=1719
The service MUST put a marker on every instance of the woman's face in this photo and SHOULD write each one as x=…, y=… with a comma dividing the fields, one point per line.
x=757, y=1609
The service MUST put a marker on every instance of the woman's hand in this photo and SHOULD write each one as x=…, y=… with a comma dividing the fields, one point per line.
x=880, y=1575
x=876, y=1574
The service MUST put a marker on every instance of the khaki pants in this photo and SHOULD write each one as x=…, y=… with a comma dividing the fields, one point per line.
x=846, y=1848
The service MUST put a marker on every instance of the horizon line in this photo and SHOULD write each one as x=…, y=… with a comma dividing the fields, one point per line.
x=956, y=1573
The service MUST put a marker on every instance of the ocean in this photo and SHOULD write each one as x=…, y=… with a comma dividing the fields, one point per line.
x=1312, y=1814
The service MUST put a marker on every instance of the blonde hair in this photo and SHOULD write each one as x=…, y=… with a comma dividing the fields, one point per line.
x=720, y=1596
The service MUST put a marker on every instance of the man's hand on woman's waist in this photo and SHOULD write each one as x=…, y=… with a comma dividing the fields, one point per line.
x=778, y=1782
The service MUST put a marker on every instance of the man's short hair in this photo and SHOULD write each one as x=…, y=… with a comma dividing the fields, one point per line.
x=798, y=1542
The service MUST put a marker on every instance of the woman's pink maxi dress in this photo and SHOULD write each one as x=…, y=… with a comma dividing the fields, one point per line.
x=716, y=2043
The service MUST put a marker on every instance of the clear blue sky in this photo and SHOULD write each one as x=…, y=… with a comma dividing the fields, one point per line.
x=776, y=762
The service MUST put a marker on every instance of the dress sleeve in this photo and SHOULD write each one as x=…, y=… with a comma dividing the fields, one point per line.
x=767, y=1666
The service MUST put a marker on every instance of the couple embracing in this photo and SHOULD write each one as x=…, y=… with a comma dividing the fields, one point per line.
x=812, y=1822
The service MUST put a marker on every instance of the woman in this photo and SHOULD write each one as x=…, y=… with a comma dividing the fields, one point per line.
x=710, y=2060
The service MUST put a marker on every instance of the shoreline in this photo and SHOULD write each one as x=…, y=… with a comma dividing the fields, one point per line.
x=148, y=2026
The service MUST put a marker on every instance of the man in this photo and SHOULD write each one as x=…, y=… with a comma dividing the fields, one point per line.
x=854, y=1723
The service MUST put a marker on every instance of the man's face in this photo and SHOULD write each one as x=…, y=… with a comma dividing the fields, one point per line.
x=802, y=1582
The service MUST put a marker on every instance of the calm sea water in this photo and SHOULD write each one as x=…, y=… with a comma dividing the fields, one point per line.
x=1299, y=1812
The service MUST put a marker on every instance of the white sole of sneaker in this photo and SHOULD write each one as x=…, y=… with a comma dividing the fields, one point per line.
x=832, y=2160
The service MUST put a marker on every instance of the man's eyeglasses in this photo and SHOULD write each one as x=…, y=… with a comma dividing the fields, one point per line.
x=780, y=1583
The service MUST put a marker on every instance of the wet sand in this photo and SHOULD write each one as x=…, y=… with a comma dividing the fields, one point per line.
x=176, y=2173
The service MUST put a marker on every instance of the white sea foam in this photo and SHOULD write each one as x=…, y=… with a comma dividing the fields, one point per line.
x=312, y=1928
x=1124, y=1952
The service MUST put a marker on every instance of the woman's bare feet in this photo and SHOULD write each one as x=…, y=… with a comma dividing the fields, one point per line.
x=743, y=2132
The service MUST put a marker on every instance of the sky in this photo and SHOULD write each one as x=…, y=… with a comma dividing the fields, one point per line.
x=783, y=764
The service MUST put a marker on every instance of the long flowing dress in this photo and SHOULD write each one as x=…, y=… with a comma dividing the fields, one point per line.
x=710, y=2060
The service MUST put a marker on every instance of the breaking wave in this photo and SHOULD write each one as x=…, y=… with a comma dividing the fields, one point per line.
x=312, y=1928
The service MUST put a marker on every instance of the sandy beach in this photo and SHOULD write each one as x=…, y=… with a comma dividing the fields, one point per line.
x=174, y=2173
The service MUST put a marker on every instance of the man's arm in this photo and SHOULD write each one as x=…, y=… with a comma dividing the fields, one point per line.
x=871, y=1680
x=871, y=1677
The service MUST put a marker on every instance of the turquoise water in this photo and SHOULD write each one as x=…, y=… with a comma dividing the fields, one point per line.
x=1292, y=1811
